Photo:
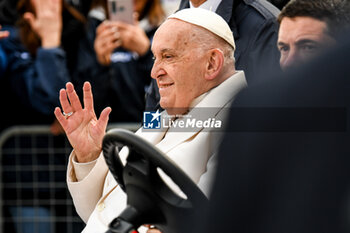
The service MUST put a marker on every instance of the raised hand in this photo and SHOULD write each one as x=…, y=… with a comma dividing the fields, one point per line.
x=4, y=34
x=47, y=21
x=84, y=131
x=133, y=37
x=113, y=34
x=107, y=39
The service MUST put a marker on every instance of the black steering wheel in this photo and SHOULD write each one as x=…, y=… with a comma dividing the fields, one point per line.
x=149, y=198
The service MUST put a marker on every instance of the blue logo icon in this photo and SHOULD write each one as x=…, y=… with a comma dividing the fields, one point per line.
x=151, y=120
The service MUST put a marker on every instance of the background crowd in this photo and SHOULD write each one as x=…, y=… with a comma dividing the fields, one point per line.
x=47, y=43
x=33, y=72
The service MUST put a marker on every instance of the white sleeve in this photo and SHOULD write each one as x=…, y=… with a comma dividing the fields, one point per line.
x=85, y=183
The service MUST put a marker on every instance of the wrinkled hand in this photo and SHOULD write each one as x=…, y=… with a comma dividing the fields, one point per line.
x=47, y=21
x=113, y=34
x=84, y=131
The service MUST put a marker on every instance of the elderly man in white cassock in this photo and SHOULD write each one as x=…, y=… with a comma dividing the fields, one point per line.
x=194, y=69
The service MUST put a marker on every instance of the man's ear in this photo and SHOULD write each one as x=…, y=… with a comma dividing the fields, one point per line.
x=214, y=64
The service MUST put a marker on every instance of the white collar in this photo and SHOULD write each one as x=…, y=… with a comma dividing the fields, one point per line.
x=211, y=5
x=224, y=92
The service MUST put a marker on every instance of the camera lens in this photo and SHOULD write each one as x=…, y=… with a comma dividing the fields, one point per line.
x=114, y=7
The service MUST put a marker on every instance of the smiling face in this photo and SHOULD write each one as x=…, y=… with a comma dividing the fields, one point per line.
x=301, y=38
x=179, y=66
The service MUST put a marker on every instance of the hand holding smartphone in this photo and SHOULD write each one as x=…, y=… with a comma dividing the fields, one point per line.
x=121, y=10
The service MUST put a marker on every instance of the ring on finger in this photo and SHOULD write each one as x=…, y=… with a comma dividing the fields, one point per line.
x=67, y=114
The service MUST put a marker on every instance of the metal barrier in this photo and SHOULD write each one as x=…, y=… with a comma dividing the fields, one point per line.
x=33, y=193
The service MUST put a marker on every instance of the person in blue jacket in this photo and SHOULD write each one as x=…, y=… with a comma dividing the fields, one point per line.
x=39, y=60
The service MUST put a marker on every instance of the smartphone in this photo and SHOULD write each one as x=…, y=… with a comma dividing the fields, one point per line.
x=121, y=10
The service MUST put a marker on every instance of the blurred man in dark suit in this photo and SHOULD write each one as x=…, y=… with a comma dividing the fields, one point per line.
x=285, y=166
